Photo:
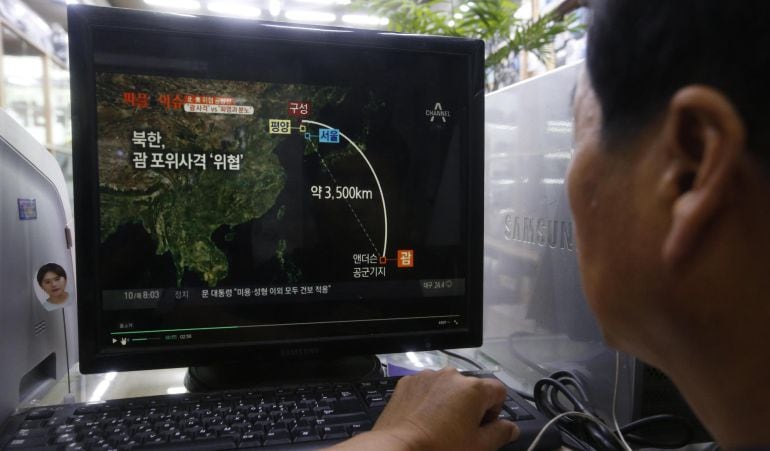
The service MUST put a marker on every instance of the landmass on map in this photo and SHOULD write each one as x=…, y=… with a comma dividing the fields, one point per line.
x=180, y=209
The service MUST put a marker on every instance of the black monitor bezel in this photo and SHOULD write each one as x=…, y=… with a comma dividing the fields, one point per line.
x=83, y=20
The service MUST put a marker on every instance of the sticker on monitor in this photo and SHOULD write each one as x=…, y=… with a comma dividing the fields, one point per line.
x=27, y=209
x=51, y=286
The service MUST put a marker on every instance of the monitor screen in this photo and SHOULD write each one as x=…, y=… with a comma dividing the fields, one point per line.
x=250, y=189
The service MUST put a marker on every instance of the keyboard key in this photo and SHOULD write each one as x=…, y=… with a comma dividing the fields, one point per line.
x=95, y=443
x=517, y=412
x=136, y=404
x=366, y=385
x=307, y=404
x=216, y=428
x=251, y=439
x=241, y=427
x=343, y=418
x=524, y=416
x=40, y=414
x=109, y=407
x=263, y=425
x=26, y=442
x=334, y=432
x=118, y=439
x=154, y=439
x=205, y=435
x=348, y=405
x=235, y=436
x=55, y=421
x=305, y=434
x=32, y=424
x=358, y=427
x=64, y=439
x=28, y=433
x=196, y=445
x=285, y=423
x=84, y=410
x=375, y=401
x=280, y=437
x=375, y=412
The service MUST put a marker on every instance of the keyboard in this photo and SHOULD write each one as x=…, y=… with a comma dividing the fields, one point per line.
x=299, y=417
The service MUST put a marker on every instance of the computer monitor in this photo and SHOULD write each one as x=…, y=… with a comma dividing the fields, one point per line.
x=256, y=192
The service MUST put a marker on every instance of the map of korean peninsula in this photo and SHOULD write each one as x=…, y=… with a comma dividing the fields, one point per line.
x=183, y=157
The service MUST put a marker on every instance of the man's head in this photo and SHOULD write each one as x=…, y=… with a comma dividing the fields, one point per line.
x=666, y=185
x=640, y=53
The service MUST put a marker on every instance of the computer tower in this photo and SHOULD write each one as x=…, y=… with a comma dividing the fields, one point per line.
x=36, y=244
x=536, y=319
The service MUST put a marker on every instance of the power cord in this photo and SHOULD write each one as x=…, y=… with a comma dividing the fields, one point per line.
x=69, y=398
x=584, y=416
x=455, y=355
x=462, y=357
x=615, y=400
x=563, y=398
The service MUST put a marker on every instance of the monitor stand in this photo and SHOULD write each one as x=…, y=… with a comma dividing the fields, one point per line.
x=288, y=372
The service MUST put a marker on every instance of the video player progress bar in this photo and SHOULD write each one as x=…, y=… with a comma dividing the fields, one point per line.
x=162, y=331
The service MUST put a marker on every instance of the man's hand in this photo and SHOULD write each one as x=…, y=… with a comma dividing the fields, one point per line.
x=440, y=410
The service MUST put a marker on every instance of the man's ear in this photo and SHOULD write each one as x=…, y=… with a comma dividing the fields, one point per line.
x=706, y=139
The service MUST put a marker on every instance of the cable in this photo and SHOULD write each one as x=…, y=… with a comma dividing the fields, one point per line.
x=554, y=393
x=549, y=393
x=615, y=399
x=66, y=352
x=518, y=355
x=562, y=395
x=559, y=417
x=455, y=355
x=463, y=358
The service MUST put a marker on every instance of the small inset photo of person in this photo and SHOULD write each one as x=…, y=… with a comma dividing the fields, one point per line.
x=51, y=287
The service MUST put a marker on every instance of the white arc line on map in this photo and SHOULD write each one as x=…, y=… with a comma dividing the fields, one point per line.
x=376, y=179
